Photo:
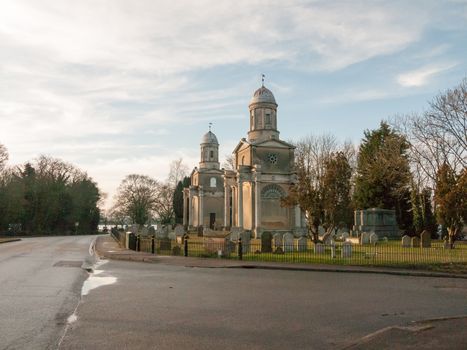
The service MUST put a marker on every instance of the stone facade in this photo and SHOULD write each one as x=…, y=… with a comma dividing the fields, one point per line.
x=248, y=197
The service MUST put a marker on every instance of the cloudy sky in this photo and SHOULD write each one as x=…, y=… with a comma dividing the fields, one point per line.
x=118, y=87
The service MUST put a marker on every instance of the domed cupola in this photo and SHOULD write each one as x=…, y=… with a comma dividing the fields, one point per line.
x=209, y=151
x=263, y=95
x=263, y=116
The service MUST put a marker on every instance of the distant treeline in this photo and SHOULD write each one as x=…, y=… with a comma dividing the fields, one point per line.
x=47, y=196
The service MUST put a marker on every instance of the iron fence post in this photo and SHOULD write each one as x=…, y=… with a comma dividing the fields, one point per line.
x=152, y=244
x=138, y=243
x=185, y=245
x=240, y=249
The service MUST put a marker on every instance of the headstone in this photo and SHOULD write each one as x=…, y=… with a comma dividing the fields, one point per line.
x=165, y=244
x=151, y=230
x=266, y=242
x=179, y=230
x=321, y=230
x=415, y=242
x=373, y=238
x=364, y=238
x=346, y=250
x=162, y=232
x=345, y=235
x=277, y=240
x=143, y=231
x=176, y=250
x=235, y=233
x=302, y=244
x=425, y=239
x=319, y=248
x=172, y=235
x=245, y=236
x=405, y=241
x=213, y=245
x=134, y=229
x=288, y=242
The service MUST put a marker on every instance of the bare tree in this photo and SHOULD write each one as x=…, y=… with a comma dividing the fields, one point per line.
x=177, y=172
x=3, y=156
x=438, y=136
x=137, y=198
x=229, y=162
x=311, y=155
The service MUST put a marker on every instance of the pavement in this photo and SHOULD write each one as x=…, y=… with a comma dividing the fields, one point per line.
x=108, y=248
x=435, y=333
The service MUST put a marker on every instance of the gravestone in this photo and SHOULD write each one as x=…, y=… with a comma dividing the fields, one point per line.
x=266, y=242
x=288, y=242
x=319, y=248
x=345, y=235
x=302, y=244
x=235, y=233
x=245, y=236
x=346, y=250
x=162, y=232
x=172, y=235
x=151, y=230
x=405, y=241
x=277, y=241
x=425, y=239
x=134, y=229
x=321, y=230
x=143, y=231
x=373, y=238
x=364, y=238
x=165, y=244
x=415, y=242
x=179, y=230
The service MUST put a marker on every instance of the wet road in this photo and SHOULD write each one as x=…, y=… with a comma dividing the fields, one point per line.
x=40, y=287
x=155, y=306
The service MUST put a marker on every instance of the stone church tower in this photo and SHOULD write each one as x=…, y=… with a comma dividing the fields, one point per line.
x=251, y=193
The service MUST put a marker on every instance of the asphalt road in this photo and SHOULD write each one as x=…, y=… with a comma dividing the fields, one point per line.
x=40, y=287
x=156, y=306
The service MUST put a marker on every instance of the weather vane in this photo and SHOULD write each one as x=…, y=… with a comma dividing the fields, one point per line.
x=210, y=124
x=262, y=79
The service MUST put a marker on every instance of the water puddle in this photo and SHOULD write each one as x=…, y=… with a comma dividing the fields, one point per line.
x=72, y=318
x=95, y=280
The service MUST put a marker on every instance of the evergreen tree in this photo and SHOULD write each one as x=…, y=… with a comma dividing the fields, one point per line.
x=178, y=199
x=383, y=175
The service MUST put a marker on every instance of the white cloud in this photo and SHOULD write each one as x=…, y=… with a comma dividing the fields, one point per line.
x=421, y=76
x=91, y=77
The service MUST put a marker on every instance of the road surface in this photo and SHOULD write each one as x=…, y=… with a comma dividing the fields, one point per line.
x=40, y=287
x=156, y=306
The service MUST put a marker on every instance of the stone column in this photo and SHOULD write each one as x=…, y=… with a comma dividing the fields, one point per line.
x=240, y=202
x=190, y=208
x=201, y=207
x=257, y=206
x=226, y=205
x=298, y=216
x=185, y=208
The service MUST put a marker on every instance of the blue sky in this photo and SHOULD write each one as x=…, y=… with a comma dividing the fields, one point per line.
x=120, y=87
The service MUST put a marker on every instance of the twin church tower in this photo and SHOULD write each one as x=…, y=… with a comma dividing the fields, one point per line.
x=249, y=196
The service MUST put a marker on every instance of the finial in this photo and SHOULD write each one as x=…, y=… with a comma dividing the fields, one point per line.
x=262, y=80
x=210, y=124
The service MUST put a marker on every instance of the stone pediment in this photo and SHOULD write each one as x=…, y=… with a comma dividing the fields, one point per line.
x=241, y=145
x=274, y=143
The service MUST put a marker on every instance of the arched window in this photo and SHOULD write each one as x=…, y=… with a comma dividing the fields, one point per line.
x=211, y=153
x=213, y=182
